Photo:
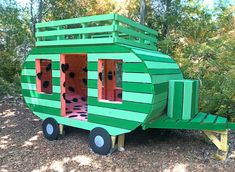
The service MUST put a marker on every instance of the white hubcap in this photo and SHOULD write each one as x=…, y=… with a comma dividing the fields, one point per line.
x=99, y=141
x=49, y=129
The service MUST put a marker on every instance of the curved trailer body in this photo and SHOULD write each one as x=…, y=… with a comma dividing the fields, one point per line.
x=103, y=74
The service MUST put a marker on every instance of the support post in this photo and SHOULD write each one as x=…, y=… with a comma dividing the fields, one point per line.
x=121, y=141
x=61, y=128
x=221, y=144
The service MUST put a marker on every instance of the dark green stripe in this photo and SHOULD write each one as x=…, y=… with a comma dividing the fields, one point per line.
x=35, y=94
x=127, y=86
x=114, y=122
x=92, y=66
x=31, y=65
x=32, y=79
x=43, y=109
x=164, y=71
x=156, y=59
x=134, y=68
x=126, y=105
x=160, y=88
x=178, y=100
x=127, y=67
x=83, y=49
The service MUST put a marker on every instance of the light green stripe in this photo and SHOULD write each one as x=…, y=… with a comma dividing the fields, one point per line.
x=98, y=29
x=171, y=99
x=127, y=96
x=53, y=57
x=137, y=77
x=151, y=53
x=137, y=97
x=28, y=86
x=187, y=99
x=76, y=20
x=76, y=41
x=126, y=57
x=114, y=131
x=157, y=79
x=28, y=72
x=161, y=65
x=92, y=75
x=121, y=114
x=43, y=102
x=92, y=92
x=56, y=73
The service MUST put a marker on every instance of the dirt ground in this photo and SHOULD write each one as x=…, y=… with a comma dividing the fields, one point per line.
x=23, y=148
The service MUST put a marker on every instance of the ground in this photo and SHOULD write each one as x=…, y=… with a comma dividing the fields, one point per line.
x=23, y=148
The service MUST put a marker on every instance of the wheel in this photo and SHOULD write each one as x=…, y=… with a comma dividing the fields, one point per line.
x=100, y=141
x=50, y=129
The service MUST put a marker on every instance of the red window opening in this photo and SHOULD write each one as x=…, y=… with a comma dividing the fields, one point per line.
x=110, y=80
x=44, y=76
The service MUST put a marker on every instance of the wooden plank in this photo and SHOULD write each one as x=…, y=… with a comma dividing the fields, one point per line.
x=164, y=71
x=161, y=65
x=178, y=100
x=209, y=119
x=76, y=42
x=72, y=49
x=87, y=30
x=221, y=120
x=35, y=94
x=114, y=122
x=170, y=107
x=121, y=114
x=125, y=105
x=198, y=118
x=44, y=109
x=32, y=79
x=137, y=77
x=76, y=20
x=29, y=86
x=158, y=79
x=53, y=57
x=135, y=34
x=134, y=24
x=126, y=57
x=151, y=53
x=42, y=102
x=157, y=58
x=187, y=100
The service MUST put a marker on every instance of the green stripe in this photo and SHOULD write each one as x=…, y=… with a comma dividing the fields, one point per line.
x=150, y=53
x=44, y=109
x=31, y=65
x=127, y=96
x=178, y=100
x=35, y=94
x=157, y=58
x=134, y=68
x=164, y=71
x=126, y=57
x=159, y=97
x=121, y=114
x=75, y=41
x=53, y=57
x=32, y=79
x=43, y=102
x=157, y=79
x=92, y=66
x=127, y=86
x=137, y=87
x=114, y=131
x=28, y=86
x=125, y=105
x=80, y=49
x=160, y=88
x=114, y=122
x=137, y=77
x=32, y=72
x=160, y=65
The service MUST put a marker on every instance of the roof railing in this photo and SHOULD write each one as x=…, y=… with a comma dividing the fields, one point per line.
x=100, y=29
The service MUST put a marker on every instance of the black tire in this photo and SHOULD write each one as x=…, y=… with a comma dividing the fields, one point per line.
x=100, y=141
x=50, y=129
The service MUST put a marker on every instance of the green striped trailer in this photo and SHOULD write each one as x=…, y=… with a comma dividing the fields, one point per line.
x=104, y=74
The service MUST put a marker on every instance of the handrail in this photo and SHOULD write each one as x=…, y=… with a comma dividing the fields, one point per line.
x=101, y=29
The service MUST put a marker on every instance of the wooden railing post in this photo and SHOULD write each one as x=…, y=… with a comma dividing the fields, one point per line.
x=84, y=36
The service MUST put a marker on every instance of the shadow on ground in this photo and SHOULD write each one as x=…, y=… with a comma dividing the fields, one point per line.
x=23, y=148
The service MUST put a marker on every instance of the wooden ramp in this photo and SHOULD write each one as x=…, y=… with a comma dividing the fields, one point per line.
x=201, y=121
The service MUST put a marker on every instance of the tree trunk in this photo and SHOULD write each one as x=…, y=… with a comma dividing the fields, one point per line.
x=165, y=24
x=142, y=11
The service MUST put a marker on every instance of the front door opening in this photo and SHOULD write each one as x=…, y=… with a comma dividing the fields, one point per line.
x=74, y=86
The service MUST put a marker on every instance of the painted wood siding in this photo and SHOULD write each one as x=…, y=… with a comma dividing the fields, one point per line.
x=136, y=95
x=161, y=68
x=41, y=102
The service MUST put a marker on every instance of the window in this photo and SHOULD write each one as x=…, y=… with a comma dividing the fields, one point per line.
x=43, y=76
x=110, y=80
